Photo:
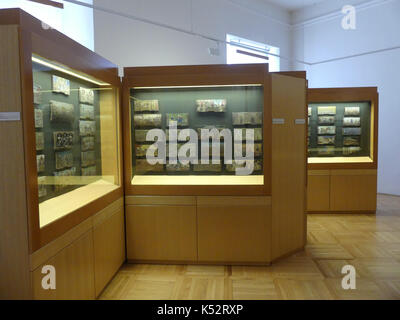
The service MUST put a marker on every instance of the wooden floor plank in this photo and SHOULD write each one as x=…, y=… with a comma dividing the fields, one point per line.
x=370, y=243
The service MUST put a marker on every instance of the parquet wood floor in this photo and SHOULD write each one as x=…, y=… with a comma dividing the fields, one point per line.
x=371, y=243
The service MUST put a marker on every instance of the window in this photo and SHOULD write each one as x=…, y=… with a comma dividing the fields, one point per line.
x=241, y=50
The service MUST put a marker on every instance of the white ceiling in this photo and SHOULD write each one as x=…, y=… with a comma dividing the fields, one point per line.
x=294, y=4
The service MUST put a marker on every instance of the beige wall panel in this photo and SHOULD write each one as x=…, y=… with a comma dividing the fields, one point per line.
x=288, y=165
x=14, y=251
x=161, y=233
x=74, y=272
x=318, y=192
x=109, y=248
x=234, y=233
x=353, y=193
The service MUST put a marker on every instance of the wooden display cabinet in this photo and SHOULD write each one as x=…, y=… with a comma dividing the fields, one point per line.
x=339, y=183
x=74, y=219
x=187, y=217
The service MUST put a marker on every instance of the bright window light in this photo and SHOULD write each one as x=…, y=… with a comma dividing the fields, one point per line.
x=240, y=50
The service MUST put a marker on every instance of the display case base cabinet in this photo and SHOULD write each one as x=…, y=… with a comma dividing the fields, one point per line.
x=318, y=191
x=200, y=230
x=85, y=258
x=349, y=191
x=161, y=233
x=234, y=232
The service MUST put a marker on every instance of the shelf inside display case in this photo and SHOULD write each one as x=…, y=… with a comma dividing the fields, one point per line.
x=340, y=132
x=76, y=133
x=228, y=113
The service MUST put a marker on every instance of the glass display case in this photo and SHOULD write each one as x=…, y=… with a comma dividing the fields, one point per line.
x=194, y=134
x=339, y=130
x=342, y=128
x=76, y=134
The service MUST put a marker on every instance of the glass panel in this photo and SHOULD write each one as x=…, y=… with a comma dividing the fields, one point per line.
x=76, y=139
x=339, y=132
x=200, y=109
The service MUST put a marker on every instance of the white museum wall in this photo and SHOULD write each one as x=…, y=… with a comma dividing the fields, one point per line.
x=131, y=43
x=378, y=27
x=74, y=21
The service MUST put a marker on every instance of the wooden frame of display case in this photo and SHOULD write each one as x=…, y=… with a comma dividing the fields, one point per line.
x=224, y=224
x=345, y=186
x=197, y=76
x=23, y=36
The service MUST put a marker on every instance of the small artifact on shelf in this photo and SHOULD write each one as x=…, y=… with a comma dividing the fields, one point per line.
x=88, y=158
x=147, y=120
x=89, y=171
x=38, y=118
x=326, y=151
x=40, y=163
x=219, y=149
x=42, y=187
x=257, y=133
x=256, y=149
x=146, y=105
x=65, y=173
x=87, y=128
x=351, y=131
x=61, y=85
x=212, y=134
x=64, y=159
x=181, y=119
x=207, y=167
x=61, y=112
x=188, y=146
x=257, y=166
x=347, y=151
x=39, y=141
x=326, y=140
x=87, y=143
x=178, y=132
x=86, y=112
x=351, y=111
x=351, y=141
x=330, y=110
x=37, y=94
x=141, y=150
x=211, y=105
x=142, y=166
x=86, y=95
x=326, y=130
x=63, y=140
x=179, y=167
x=244, y=118
x=140, y=135
x=351, y=122
x=326, y=120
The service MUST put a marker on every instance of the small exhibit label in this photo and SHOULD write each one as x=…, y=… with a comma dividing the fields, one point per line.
x=300, y=121
x=10, y=116
x=278, y=121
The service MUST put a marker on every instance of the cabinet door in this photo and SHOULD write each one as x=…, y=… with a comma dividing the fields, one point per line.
x=233, y=232
x=318, y=191
x=74, y=272
x=109, y=248
x=353, y=190
x=161, y=233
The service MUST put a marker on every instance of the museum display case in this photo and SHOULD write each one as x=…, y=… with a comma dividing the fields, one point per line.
x=342, y=149
x=199, y=122
x=61, y=127
x=198, y=153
